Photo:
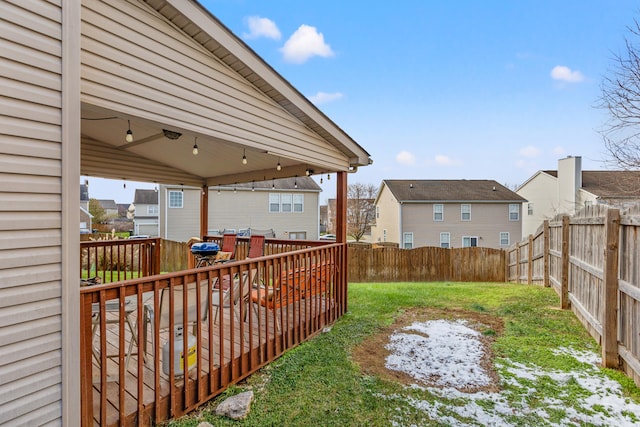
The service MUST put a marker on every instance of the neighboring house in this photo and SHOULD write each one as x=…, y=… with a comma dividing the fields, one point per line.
x=323, y=218
x=288, y=206
x=146, y=214
x=447, y=213
x=110, y=209
x=569, y=189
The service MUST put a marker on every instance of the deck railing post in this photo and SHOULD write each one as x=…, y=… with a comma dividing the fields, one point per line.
x=610, y=290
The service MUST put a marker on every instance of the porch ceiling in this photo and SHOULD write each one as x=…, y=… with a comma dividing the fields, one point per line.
x=153, y=157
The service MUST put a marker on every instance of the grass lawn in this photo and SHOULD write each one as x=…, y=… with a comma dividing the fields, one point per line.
x=541, y=357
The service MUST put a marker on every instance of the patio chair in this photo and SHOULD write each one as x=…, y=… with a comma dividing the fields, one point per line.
x=164, y=310
x=112, y=306
x=239, y=292
x=228, y=251
x=256, y=246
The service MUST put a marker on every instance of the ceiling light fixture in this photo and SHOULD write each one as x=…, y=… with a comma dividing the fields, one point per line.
x=295, y=182
x=321, y=180
x=278, y=166
x=129, y=136
x=253, y=185
x=273, y=184
x=195, y=147
x=244, y=156
x=169, y=134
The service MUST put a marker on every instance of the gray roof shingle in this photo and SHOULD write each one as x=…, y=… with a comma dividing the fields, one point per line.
x=484, y=190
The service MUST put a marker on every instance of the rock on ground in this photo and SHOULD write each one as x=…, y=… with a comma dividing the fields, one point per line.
x=236, y=407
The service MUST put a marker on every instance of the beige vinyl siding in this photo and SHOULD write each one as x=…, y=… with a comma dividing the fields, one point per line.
x=389, y=218
x=487, y=221
x=133, y=60
x=30, y=213
x=542, y=191
x=242, y=209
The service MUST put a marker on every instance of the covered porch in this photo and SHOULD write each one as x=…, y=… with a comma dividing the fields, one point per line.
x=170, y=96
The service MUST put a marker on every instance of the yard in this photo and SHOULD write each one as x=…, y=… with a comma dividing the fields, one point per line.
x=428, y=354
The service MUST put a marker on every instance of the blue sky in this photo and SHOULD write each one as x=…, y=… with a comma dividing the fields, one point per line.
x=443, y=89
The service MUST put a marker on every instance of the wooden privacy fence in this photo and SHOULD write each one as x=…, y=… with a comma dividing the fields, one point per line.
x=424, y=264
x=592, y=261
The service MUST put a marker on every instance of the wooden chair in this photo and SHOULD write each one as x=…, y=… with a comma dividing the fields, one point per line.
x=232, y=296
x=256, y=246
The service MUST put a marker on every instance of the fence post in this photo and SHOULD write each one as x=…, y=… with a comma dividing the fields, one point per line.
x=530, y=261
x=545, y=253
x=564, y=282
x=518, y=262
x=610, y=290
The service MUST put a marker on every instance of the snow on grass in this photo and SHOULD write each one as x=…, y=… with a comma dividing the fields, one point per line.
x=443, y=352
x=447, y=353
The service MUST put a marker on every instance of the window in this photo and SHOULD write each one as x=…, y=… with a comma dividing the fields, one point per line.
x=377, y=212
x=302, y=235
x=384, y=235
x=514, y=212
x=175, y=199
x=438, y=212
x=445, y=240
x=468, y=241
x=504, y=238
x=298, y=203
x=529, y=208
x=286, y=203
x=407, y=240
x=588, y=203
x=274, y=202
x=465, y=212
x=152, y=210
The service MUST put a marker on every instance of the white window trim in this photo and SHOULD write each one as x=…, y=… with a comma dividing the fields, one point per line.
x=445, y=233
x=404, y=239
x=462, y=212
x=293, y=199
x=470, y=237
x=517, y=212
x=508, y=238
x=441, y=212
x=181, y=199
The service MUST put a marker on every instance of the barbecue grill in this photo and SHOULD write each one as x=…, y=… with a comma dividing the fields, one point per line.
x=205, y=253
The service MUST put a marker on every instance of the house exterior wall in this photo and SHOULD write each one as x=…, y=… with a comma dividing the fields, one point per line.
x=250, y=209
x=569, y=183
x=144, y=222
x=387, y=228
x=39, y=215
x=487, y=221
x=238, y=210
x=541, y=193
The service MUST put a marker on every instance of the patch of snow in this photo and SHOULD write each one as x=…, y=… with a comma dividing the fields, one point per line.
x=443, y=352
x=448, y=353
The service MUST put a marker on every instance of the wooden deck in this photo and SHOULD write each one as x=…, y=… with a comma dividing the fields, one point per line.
x=247, y=347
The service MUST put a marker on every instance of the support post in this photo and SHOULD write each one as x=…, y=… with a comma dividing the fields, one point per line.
x=564, y=281
x=518, y=269
x=204, y=211
x=610, y=290
x=545, y=253
x=341, y=234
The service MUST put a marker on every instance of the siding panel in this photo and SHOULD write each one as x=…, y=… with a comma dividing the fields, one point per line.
x=30, y=213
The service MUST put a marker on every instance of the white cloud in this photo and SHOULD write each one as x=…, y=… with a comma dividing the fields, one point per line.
x=565, y=74
x=530, y=151
x=443, y=160
x=406, y=158
x=261, y=27
x=324, y=98
x=305, y=43
x=559, y=150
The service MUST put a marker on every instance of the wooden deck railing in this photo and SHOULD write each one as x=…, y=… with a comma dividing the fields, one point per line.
x=120, y=259
x=131, y=370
